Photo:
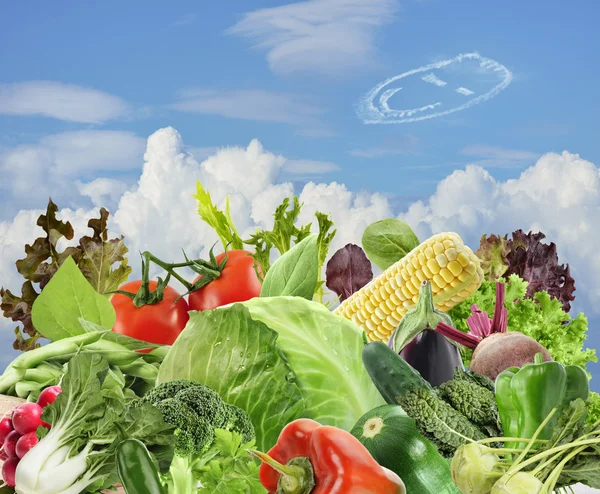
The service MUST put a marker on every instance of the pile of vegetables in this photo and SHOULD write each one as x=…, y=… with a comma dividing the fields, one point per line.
x=451, y=372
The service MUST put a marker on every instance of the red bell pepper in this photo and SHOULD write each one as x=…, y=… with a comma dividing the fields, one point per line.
x=310, y=458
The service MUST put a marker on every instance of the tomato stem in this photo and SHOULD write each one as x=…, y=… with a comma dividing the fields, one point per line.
x=210, y=270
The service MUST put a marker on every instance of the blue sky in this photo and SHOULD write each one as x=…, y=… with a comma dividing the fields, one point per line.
x=292, y=75
x=147, y=52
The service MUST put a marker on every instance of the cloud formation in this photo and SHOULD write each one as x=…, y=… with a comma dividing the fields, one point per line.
x=50, y=165
x=67, y=102
x=558, y=195
x=498, y=157
x=329, y=36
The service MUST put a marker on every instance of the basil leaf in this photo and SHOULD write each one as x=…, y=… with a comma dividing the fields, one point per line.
x=295, y=273
x=387, y=241
x=67, y=297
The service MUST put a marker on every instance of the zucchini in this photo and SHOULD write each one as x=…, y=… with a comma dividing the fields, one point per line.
x=390, y=373
x=393, y=440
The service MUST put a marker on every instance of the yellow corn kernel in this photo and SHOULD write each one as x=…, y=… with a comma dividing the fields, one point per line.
x=452, y=268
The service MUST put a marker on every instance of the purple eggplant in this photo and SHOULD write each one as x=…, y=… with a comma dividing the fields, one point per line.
x=429, y=352
x=433, y=356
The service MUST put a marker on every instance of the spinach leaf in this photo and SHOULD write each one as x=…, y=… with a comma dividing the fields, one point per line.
x=387, y=241
x=296, y=272
x=67, y=297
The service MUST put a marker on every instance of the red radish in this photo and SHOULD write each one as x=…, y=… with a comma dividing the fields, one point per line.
x=10, y=443
x=48, y=396
x=26, y=418
x=9, y=469
x=6, y=427
x=494, y=349
x=25, y=443
x=3, y=455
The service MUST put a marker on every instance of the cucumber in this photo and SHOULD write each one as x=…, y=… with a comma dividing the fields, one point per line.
x=392, y=376
x=393, y=440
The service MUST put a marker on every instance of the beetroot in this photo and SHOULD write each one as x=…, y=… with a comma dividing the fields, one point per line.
x=495, y=350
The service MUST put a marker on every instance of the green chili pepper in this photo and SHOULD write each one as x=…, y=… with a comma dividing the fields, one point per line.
x=526, y=396
x=136, y=470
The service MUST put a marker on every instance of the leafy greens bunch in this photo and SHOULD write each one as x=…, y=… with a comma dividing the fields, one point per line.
x=264, y=241
x=89, y=419
x=95, y=256
x=200, y=417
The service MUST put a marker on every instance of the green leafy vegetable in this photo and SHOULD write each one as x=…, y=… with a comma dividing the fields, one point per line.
x=387, y=241
x=229, y=469
x=67, y=297
x=526, y=256
x=296, y=272
x=348, y=271
x=89, y=418
x=239, y=358
x=541, y=318
x=96, y=257
x=264, y=241
x=219, y=221
x=325, y=354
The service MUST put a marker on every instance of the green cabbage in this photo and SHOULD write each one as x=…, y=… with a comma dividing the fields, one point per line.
x=278, y=358
x=325, y=353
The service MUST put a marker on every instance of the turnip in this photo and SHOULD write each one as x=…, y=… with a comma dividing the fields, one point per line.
x=9, y=467
x=495, y=349
x=10, y=443
x=27, y=418
x=25, y=443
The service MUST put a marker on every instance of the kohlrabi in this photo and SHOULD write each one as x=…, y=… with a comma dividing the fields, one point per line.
x=88, y=419
x=572, y=455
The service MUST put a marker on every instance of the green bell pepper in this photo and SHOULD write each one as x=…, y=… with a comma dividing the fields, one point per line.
x=527, y=395
x=135, y=468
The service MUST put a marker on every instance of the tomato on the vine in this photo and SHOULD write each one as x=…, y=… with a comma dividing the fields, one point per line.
x=238, y=282
x=158, y=323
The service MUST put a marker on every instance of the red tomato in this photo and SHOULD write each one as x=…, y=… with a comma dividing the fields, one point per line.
x=158, y=323
x=238, y=282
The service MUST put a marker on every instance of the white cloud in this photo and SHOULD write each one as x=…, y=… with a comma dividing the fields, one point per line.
x=250, y=104
x=559, y=195
x=50, y=165
x=310, y=167
x=317, y=35
x=498, y=157
x=104, y=192
x=61, y=101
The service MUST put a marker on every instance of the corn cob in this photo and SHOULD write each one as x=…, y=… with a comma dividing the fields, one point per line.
x=452, y=267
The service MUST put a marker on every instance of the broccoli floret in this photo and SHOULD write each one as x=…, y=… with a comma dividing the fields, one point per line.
x=194, y=434
x=437, y=420
x=168, y=390
x=239, y=421
x=206, y=403
x=196, y=411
